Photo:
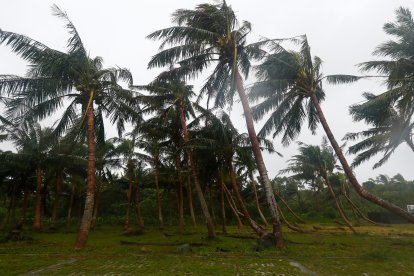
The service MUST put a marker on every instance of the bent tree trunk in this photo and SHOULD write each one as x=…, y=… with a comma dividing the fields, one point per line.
x=256, y=199
x=246, y=214
x=85, y=225
x=348, y=171
x=210, y=225
x=37, y=224
x=261, y=167
x=338, y=207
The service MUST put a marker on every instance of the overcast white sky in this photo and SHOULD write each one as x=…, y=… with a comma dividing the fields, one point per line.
x=342, y=33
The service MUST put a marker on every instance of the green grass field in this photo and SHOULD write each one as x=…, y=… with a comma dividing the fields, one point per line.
x=328, y=251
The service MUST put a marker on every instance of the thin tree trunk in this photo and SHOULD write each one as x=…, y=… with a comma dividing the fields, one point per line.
x=129, y=197
x=233, y=206
x=256, y=199
x=140, y=220
x=348, y=171
x=261, y=167
x=338, y=207
x=259, y=230
x=358, y=211
x=287, y=206
x=12, y=204
x=85, y=225
x=56, y=202
x=157, y=191
x=72, y=196
x=37, y=224
x=25, y=206
x=210, y=225
x=180, y=196
x=223, y=209
x=288, y=224
x=410, y=143
x=190, y=202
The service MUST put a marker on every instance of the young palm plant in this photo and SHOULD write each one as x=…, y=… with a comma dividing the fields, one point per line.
x=291, y=86
x=55, y=78
x=210, y=35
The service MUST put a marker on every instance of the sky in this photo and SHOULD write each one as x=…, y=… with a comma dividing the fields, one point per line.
x=341, y=33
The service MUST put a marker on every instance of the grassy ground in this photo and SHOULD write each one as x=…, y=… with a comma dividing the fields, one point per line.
x=328, y=251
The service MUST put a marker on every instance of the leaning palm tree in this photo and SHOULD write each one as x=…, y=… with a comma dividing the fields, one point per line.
x=388, y=130
x=389, y=113
x=55, y=77
x=208, y=35
x=291, y=86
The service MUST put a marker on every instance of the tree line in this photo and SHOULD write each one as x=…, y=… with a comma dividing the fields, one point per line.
x=177, y=138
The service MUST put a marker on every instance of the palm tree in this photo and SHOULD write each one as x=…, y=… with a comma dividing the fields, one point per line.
x=313, y=162
x=291, y=85
x=175, y=94
x=389, y=113
x=388, y=130
x=33, y=144
x=55, y=76
x=211, y=34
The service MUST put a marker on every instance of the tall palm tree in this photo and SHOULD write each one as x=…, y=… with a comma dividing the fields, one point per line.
x=291, y=86
x=176, y=94
x=54, y=77
x=208, y=35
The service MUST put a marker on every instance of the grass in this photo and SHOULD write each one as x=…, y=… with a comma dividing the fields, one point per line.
x=328, y=251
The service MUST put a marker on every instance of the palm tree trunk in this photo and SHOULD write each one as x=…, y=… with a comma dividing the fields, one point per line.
x=256, y=199
x=140, y=220
x=56, y=202
x=410, y=143
x=261, y=167
x=210, y=225
x=129, y=197
x=37, y=224
x=233, y=206
x=223, y=209
x=72, y=196
x=287, y=206
x=190, y=202
x=348, y=171
x=288, y=224
x=246, y=214
x=338, y=207
x=180, y=196
x=85, y=225
x=96, y=203
x=357, y=210
x=25, y=206
x=157, y=191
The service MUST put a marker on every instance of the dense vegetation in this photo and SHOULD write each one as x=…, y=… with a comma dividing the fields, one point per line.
x=179, y=161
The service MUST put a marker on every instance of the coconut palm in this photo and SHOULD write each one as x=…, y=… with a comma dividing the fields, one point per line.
x=208, y=35
x=388, y=130
x=313, y=162
x=389, y=113
x=176, y=94
x=291, y=86
x=74, y=78
x=33, y=144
